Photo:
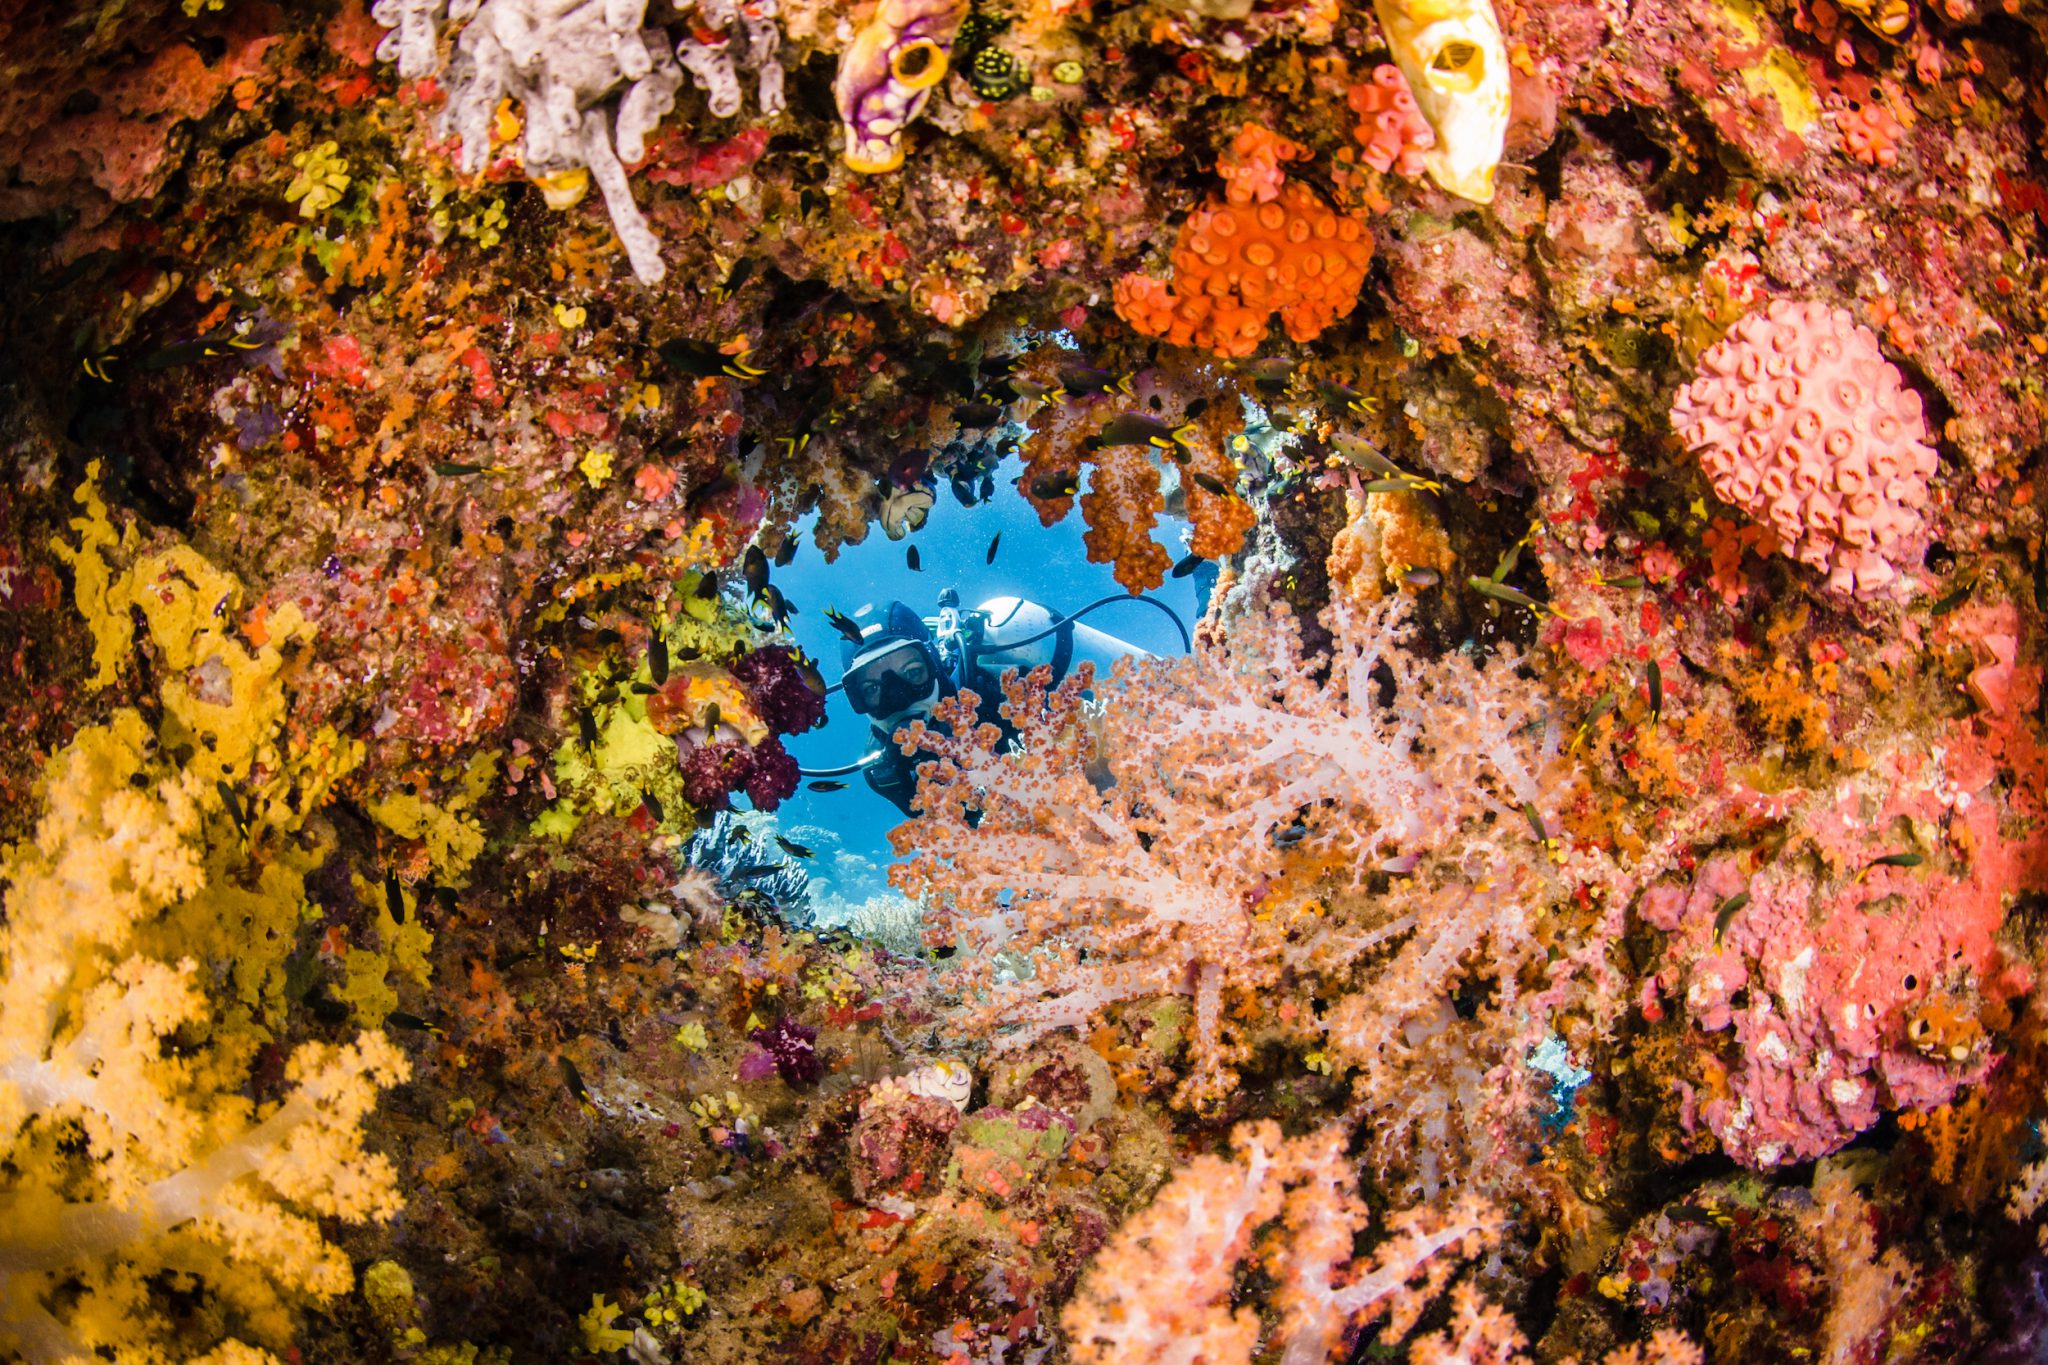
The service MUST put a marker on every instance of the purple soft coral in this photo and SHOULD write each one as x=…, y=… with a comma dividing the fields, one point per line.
x=776, y=687
x=794, y=1050
x=711, y=772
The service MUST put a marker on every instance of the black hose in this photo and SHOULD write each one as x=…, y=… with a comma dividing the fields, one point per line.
x=1185, y=642
x=847, y=769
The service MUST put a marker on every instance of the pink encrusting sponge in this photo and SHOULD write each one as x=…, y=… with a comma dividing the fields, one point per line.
x=1800, y=422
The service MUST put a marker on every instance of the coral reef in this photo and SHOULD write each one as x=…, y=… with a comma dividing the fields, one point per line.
x=1162, y=1289
x=1580, y=898
x=1391, y=127
x=559, y=62
x=1237, y=784
x=1456, y=63
x=134, y=1164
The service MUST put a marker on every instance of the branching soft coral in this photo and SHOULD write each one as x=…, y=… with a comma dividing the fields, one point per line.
x=1242, y=789
x=124, y=1159
x=1127, y=485
x=142, y=949
x=1163, y=1289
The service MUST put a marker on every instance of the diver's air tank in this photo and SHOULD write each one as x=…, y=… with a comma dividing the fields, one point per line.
x=1013, y=618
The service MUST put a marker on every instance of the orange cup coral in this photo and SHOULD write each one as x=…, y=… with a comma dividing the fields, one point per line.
x=1237, y=265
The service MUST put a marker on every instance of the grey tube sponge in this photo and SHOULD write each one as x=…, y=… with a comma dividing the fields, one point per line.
x=563, y=60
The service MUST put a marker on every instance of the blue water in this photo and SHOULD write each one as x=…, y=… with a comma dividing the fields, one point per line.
x=848, y=830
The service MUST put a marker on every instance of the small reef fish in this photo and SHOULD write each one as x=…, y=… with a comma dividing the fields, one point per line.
x=1601, y=707
x=1269, y=374
x=572, y=1080
x=1895, y=860
x=848, y=628
x=1457, y=68
x=792, y=847
x=234, y=806
x=807, y=671
x=911, y=560
x=1187, y=565
x=1136, y=429
x=1082, y=381
x=826, y=786
x=1725, y=915
x=702, y=360
x=1344, y=398
x=1366, y=456
x=1403, y=483
x=742, y=270
x=1953, y=600
x=1060, y=483
x=994, y=541
x=1501, y=592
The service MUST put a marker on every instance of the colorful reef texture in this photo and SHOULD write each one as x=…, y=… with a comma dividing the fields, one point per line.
x=1582, y=895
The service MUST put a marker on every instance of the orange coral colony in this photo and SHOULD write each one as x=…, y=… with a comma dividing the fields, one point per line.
x=1235, y=266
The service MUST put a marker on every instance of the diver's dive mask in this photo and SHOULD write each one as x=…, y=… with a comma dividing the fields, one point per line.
x=893, y=682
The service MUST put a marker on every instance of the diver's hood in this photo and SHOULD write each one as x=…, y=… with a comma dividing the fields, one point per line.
x=899, y=622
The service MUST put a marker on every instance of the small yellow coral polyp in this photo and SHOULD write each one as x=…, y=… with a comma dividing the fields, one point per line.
x=1237, y=265
x=321, y=181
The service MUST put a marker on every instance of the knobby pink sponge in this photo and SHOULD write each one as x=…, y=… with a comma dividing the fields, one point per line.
x=1799, y=421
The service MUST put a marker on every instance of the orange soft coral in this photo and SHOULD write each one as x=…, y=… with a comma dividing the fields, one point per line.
x=1251, y=169
x=1122, y=505
x=1384, y=536
x=1237, y=265
x=1125, y=491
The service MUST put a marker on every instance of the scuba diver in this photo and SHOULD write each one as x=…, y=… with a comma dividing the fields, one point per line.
x=904, y=665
